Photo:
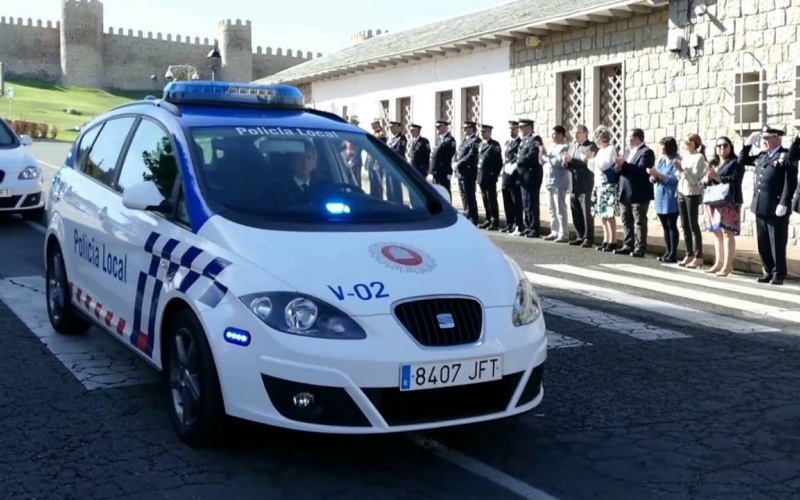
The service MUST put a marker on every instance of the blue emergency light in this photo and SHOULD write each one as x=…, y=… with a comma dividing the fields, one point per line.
x=234, y=94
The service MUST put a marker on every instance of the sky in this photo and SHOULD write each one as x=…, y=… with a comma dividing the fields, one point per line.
x=309, y=25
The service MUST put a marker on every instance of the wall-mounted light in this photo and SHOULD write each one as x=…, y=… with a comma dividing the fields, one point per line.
x=533, y=41
x=701, y=10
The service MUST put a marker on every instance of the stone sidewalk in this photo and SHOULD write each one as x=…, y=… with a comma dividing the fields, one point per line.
x=746, y=260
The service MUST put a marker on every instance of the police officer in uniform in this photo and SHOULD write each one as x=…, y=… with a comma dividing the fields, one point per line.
x=419, y=151
x=465, y=166
x=775, y=185
x=372, y=166
x=531, y=176
x=490, y=163
x=512, y=195
x=441, y=168
x=398, y=143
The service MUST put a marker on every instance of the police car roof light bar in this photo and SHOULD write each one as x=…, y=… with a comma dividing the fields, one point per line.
x=234, y=94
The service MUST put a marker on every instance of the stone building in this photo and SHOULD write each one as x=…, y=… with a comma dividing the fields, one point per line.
x=715, y=67
x=77, y=50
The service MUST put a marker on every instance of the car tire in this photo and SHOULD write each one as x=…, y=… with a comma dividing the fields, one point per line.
x=62, y=313
x=191, y=382
x=35, y=215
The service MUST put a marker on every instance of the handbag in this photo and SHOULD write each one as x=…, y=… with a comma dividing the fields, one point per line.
x=717, y=195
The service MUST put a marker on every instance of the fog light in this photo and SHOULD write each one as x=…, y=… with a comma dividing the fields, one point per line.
x=303, y=400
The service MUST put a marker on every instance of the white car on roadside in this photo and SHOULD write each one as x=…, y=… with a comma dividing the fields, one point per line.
x=21, y=181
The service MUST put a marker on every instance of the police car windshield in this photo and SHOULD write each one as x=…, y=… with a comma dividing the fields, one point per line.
x=304, y=175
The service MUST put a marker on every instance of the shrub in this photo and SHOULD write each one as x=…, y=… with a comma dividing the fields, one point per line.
x=53, y=133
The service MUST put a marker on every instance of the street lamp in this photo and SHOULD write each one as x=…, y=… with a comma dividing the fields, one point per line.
x=214, y=59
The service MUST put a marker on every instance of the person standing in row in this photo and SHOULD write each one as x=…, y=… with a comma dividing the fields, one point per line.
x=582, y=188
x=373, y=168
x=636, y=193
x=419, y=151
x=530, y=173
x=512, y=193
x=559, y=184
x=398, y=143
x=691, y=168
x=490, y=163
x=465, y=166
x=775, y=184
x=441, y=168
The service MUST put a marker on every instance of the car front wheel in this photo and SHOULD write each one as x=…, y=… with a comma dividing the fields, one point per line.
x=63, y=316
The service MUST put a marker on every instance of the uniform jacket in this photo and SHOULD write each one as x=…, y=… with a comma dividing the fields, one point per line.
x=775, y=179
x=442, y=156
x=510, y=158
x=490, y=162
x=634, y=180
x=398, y=143
x=528, y=166
x=419, y=154
x=582, y=175
x=465, y=162
x=558, y=177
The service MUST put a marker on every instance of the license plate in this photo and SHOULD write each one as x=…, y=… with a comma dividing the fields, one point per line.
x=5, y=193
x=450, y=374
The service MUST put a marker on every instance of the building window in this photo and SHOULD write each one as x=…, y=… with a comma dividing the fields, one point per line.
x=747, y=99
x=404, y=105
x=472, y=104
x=444, y=105
x=570, y=100
x=611, y=89
x=384, y=114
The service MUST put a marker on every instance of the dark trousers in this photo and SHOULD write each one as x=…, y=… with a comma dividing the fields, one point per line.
x=581, y=207
x=688, y=207
x=772, y=233
x=489, y=196
x=375, y=185
x=356, y=170
x=394, y=189
x=669, y=222
x=512, y=204
x=530, y=205
x=634, y=222
x=469, y=201
x=443, y=181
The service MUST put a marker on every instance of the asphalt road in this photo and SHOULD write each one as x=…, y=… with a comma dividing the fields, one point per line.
x=660, y=383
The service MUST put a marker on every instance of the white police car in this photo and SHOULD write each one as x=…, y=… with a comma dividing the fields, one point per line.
x=220, y=233
x=21, y=179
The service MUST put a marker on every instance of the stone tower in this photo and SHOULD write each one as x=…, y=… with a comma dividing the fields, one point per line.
x=236, y=49
x=82, y=43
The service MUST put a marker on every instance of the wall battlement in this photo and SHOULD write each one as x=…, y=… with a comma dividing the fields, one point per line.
x=79, y=50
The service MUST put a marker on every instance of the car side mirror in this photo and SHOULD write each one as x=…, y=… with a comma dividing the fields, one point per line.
x=145, y=196
x=25, y=140
x=442, y=191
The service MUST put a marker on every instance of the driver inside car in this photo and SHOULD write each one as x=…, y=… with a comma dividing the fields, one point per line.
x=303, y=187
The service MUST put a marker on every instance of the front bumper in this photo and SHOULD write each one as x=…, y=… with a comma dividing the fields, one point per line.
x=355, y=384
x=25, y=195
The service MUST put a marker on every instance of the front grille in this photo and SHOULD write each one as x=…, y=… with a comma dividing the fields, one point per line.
x=10, y=202
x=438, y=405
x=2, y=175
x=423, y=319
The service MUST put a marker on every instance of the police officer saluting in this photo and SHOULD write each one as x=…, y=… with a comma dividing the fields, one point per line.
x=398, y=143
x=441, y=168
x=512, y=195
x=465, y=166
x=419, y=151
x=775, y=184
x=490, y=163
x=531, y=175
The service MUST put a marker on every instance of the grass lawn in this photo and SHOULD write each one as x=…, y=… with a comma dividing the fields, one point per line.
x=48, y=102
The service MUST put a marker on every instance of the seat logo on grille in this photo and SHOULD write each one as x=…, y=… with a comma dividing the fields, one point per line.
x=446, y=320
x=402, y=258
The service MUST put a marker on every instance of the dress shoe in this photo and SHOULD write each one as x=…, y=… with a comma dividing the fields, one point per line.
x=776, y=281
x=638, y=253
x=586, y=244
x=765, y=279
x=493, y=227
x=561, y=240
x=576, y=242
x=623, y=251
x=550, y=237
x=602, y=247
x=532, y=234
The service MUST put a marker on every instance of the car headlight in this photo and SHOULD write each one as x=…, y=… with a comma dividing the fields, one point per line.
x=29, y=173
x=298, y=314
x=526, y=304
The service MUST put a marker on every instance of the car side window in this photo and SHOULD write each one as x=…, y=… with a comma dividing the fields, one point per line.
x=150, y=157
x=85, y=146
x=102, y=161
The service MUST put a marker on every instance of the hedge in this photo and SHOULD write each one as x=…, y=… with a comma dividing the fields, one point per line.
x=33, y=129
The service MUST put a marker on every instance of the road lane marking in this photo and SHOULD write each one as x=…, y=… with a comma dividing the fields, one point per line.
x=498, y=477
x=558, y=341
x=95, y=359
x=744, y=306
x=676, y=311
x=47, y=164
x=611, y=322
x=708, y=283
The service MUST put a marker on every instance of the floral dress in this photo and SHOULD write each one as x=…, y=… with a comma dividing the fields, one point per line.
x=605, y=195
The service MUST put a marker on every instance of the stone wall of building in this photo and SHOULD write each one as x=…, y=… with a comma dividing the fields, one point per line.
x=30, y=48
x=675, y=94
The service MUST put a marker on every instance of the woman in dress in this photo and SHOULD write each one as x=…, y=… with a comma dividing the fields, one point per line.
x=665, y=177
x=605, y=196
x=724, y=219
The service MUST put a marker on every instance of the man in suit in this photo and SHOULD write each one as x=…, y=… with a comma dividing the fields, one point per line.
x=512, y=194
x=419, y=150
x=530, y=175
x=465, y=166
x=398, y=143
x=775, y=185
x=301, y=187
x=441, y=168
x=582, y=187
x=636, y=193
x=559, y=184
x=373, y=168
x=490, y=163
